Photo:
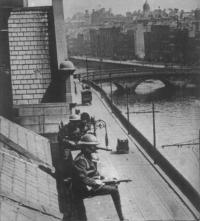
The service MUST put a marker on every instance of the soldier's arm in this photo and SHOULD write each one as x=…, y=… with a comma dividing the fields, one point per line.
x=81, y=167
x=66, y=141
x=70, y=144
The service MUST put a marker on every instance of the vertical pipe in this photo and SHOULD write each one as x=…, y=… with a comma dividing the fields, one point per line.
x=94, y=125
x=111, y=94
x=106, y=136
x=154, y=126
x=86, y=61
x=43, y=120
x=199, y=162
x=75, y=87
x=101, y=72
x=127, y=105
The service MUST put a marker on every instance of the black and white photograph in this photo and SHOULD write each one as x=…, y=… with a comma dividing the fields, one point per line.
x=99, y=110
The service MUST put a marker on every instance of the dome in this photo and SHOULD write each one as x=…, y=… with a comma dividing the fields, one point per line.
x=67, y=65
x=146, y=7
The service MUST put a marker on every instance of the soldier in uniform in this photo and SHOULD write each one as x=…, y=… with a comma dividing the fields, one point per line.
x=70, y=133
x=85, y=125
x=86, y=179
x=68, y=137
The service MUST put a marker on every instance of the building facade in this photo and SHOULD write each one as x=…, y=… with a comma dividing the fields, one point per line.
x=166, y=35
x=169, y=45
x=112, y=43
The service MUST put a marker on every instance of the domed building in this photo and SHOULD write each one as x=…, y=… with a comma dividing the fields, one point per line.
x=146, y=9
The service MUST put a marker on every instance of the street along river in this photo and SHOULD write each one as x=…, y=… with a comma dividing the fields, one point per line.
x=177, y=121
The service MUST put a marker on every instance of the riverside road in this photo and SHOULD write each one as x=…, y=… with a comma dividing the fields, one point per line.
x=150, y=195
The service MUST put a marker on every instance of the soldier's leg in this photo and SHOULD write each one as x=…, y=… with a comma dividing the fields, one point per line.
x=67, y=163
x=113, y=190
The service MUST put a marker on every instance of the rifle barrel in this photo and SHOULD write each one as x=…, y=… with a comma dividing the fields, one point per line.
x=116, y=181
x=102, y=148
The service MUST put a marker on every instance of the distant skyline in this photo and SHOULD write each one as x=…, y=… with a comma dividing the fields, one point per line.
x=119, y=6
x=122, y=6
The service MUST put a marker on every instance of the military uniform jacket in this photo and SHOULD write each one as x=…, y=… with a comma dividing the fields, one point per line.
x=84, y=174
x=70, y=132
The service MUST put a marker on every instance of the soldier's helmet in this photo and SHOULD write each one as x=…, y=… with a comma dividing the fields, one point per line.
x=88, y=140
x=74, y=117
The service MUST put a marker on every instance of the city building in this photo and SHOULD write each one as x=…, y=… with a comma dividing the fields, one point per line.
x=146, y=9
x=100, y=16
x=112, y=43
x=193, y=53
x=104, y=42
x=126, y=45
x=139, y=41
x=165, y=44
x=100, y=33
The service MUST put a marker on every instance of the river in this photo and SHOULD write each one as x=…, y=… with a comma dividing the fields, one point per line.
x=177, y=120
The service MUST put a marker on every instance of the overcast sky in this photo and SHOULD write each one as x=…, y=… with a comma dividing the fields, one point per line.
x=119, y=6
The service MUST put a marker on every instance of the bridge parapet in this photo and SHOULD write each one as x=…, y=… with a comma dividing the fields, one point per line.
x=133, y=72
x=170, y=78
x=93, y=63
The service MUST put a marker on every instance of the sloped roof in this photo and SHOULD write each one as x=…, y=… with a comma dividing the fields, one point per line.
x=10, y=210
x=26, y=142
x=28, y=186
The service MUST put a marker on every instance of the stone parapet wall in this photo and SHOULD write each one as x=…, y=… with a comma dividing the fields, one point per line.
x=27, y=192
x=42, y=118
x=29, y=38
x=25, y=142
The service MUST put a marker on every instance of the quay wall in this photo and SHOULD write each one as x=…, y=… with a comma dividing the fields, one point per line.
x=178, y=179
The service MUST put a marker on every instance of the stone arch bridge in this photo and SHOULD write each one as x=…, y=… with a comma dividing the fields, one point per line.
x=132, y=78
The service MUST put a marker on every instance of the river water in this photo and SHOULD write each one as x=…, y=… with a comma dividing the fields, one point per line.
x=177, y=120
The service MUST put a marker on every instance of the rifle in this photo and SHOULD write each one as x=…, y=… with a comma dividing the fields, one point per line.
x=116, y=181
x=102, y=148
x=75, y=146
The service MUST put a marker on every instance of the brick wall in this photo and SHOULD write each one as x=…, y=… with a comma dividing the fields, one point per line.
x=29, y=39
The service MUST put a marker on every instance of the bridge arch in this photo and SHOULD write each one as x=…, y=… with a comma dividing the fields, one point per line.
x=121, y=86
x=165, y=81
